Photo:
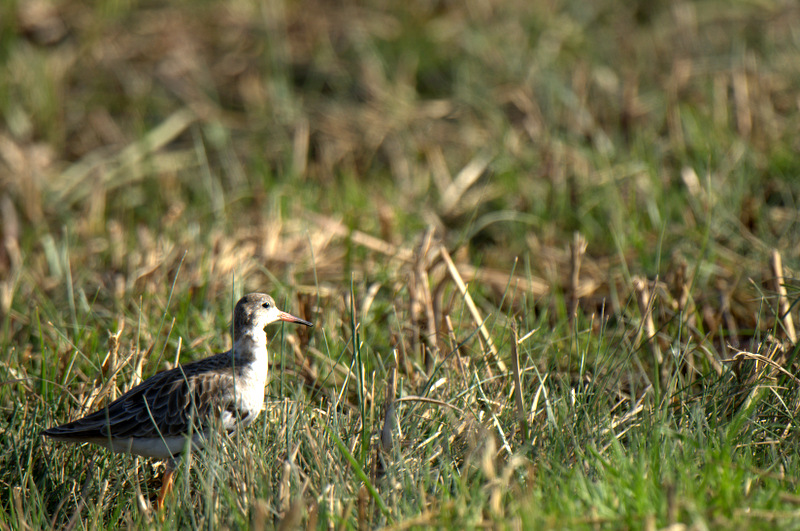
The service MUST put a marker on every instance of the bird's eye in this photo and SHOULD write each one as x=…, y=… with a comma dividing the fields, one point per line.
x=266, y=305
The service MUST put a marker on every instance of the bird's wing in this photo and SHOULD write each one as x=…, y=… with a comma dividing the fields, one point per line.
x=164, y=405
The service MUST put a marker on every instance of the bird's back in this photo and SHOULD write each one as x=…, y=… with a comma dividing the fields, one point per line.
x=164, y=405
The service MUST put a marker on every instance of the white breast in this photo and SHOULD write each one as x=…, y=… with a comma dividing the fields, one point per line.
x=249, y=393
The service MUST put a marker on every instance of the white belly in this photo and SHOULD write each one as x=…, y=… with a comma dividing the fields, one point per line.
x=155, y=448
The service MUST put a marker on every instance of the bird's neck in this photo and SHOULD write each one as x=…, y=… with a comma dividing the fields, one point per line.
x=250, y=345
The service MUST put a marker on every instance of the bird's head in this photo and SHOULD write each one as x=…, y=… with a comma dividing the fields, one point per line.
x=255, y=311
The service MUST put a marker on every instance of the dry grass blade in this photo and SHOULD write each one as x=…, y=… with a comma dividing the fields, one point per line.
x=648, y=329
x=421, y=293
x=428, y=400
x=465, y=178
x=473, y=309
x=363, y=508
x=762, y=359
x=783, y=300
x=456, y=349
x=294, y=516
x=521, y=415
x=10, y=255
x=390, y=419
x=577, y=250
x=109, y=387
x=284, y=493
x=110, y=362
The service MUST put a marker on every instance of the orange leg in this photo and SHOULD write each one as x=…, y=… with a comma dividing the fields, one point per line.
x=166, y=487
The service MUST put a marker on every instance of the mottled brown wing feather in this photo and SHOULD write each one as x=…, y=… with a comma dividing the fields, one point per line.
x=173, y=398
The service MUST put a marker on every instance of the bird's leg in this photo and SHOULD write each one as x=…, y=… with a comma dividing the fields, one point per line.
x=166, y=484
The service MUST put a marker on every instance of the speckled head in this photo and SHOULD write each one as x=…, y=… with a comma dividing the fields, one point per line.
x=256, y=311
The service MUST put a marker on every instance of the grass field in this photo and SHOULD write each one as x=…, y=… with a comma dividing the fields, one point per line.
x=549, y=248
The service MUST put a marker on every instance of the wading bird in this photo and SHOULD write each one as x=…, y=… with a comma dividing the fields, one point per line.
x=163, y=414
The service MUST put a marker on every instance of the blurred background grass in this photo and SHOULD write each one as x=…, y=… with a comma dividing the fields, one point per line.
x=660, y=131
x=157, y=160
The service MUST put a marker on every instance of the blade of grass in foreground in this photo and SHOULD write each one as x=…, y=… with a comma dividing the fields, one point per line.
x=360, y=473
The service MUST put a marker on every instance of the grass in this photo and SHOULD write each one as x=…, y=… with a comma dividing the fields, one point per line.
x=157, y=162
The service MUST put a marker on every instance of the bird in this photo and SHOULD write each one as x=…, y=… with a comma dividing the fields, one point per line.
x=182, y=406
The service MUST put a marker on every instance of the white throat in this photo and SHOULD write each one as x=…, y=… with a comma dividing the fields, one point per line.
x=251, y=345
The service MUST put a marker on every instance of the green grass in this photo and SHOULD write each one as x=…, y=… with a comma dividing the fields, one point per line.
x=158, y=162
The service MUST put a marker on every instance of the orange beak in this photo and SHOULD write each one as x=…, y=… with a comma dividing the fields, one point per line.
x=289, y=318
